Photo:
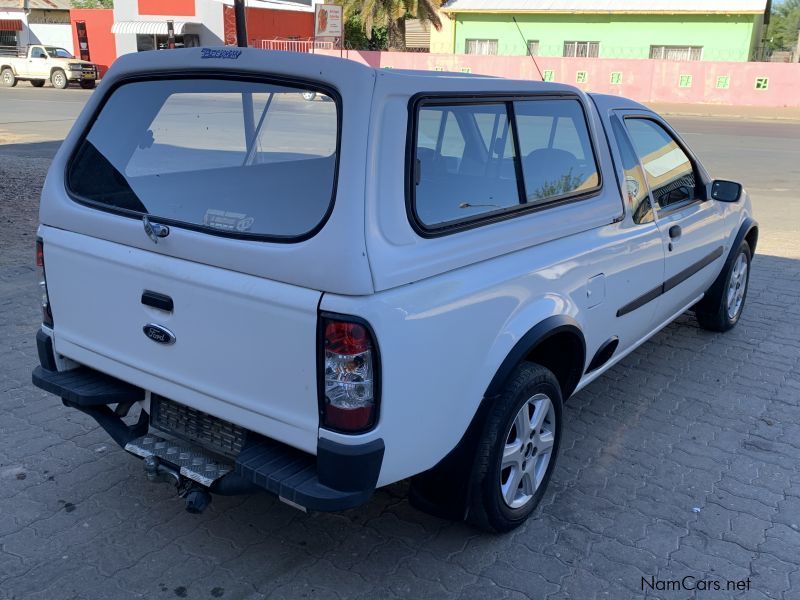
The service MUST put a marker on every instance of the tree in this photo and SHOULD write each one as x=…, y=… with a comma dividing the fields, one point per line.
x=356, y=39
x=783, y=25
x=392, y=14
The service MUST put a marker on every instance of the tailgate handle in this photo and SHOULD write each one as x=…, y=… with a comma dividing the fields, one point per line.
x=156, y=300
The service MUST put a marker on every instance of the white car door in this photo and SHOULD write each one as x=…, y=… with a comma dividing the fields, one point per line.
x=692, y=227
x=38, y=63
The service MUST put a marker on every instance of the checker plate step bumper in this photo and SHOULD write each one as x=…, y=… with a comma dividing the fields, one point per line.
x=193, y=463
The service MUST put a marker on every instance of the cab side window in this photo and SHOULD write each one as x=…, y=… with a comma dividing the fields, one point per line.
x=480, y=160
x=635, y=188
x=37, y=53
x=556, y=151
x=669, y=171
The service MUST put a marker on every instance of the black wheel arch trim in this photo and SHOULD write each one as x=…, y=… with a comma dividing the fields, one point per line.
x=536, y=335
x=714, y=293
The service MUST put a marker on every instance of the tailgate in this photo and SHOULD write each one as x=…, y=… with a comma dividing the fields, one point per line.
x=244, y=349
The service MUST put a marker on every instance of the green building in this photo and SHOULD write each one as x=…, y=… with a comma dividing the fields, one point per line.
x=723, y=30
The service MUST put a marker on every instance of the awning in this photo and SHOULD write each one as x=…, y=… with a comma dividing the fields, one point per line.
x=148, y=27
x=10, y=25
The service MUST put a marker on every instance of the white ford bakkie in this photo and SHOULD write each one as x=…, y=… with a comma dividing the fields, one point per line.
x=300, y=274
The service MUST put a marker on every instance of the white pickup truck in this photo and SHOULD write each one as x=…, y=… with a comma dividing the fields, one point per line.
x=405, y=278
x=40, y=63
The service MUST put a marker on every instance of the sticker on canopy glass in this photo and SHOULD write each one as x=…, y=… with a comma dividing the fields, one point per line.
x=227, y=221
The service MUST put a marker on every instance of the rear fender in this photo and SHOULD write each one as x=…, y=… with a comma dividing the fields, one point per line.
x=444, y=489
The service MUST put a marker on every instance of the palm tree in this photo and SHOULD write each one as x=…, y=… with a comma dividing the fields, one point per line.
x=392, y=15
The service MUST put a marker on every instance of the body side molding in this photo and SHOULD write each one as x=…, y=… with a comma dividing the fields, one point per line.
x=670, y=283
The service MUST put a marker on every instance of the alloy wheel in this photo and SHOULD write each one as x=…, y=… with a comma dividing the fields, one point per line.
x=528, y=450
x=737, y=285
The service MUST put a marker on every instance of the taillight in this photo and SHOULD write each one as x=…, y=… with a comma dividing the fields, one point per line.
x=349, y=364
x=47, y=313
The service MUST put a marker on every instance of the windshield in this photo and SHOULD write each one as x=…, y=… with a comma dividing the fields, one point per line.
x=54, y=52
x=227, y=156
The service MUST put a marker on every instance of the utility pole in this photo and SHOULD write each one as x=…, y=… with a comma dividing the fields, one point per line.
x=247, y=97
x=241, y=23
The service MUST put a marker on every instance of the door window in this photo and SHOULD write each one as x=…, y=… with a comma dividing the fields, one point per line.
x=38, y=53
x=635, y=187
x=669, y=171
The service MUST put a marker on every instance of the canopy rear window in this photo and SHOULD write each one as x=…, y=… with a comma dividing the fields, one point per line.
x=228, y=156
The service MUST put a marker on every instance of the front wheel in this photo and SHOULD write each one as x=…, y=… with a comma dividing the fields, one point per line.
x=59, y=79
x=726, y=310
x=517, y=451
x=8, y=78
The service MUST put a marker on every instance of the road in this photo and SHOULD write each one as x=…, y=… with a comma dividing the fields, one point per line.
x=680, y=461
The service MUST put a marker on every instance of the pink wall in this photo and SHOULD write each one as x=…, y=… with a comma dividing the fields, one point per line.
x=641, y=80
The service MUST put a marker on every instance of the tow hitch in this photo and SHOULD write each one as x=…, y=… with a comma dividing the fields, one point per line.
x=197, y=497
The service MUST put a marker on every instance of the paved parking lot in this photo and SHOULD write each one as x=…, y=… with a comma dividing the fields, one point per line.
x=681, y=461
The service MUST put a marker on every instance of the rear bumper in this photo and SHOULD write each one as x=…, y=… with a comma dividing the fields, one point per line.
x=339, y=477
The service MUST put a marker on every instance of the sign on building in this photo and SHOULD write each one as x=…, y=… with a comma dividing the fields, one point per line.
x=328, y=24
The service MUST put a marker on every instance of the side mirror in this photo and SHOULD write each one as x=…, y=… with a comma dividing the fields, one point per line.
x=726, y=191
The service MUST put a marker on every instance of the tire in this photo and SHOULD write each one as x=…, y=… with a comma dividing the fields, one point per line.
x=509, y=483
x=88, y=85
x=8, y=78
x=37, y=82
x=726, y=310
x=309, y=96
x=59, y=79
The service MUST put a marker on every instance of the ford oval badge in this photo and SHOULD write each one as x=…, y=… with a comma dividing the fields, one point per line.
x=159, y=334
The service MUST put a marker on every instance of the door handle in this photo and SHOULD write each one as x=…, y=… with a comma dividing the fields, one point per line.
x=675, y=231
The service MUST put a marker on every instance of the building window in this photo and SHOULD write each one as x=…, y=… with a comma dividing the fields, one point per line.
x=161, y=41
x=8, y=38
x=485, y=47
x=676, y=52
x=533, y=47
x=582, y=49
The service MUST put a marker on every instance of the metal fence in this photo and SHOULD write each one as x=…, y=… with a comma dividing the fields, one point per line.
x=294, y=45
